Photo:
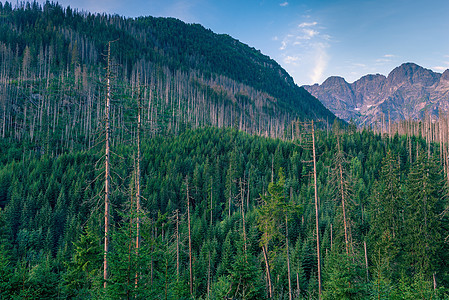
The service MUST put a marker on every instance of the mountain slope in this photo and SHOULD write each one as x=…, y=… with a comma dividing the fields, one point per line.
x=407, y=92
x=52, y=77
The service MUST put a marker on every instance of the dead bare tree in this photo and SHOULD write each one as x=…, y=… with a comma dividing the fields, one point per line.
x=307, y=141
x=107, y=168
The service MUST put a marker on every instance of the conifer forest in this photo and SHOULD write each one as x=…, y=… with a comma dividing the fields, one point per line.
x=137, y=162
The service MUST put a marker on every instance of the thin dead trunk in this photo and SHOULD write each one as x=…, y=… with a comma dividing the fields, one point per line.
x=290, y=295
x=340, y=169
x=107, y=171
x=138, y=208
x=177, y=245
x=267, y=267
x=316, y=213
x=208, y=278
x=242, y=198
x=366, y=261
x=190, y=239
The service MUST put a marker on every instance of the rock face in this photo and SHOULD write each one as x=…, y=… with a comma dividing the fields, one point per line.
x=407, y=92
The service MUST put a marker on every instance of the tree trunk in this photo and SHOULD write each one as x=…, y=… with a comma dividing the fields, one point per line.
x=177, y=245
x=316, y=213
x=138, y=209
x=107, y=171
x=366, y=261
x=288, y=261
x=340, y=169
x=242, y=198
x=190, y=239
x=267, y=266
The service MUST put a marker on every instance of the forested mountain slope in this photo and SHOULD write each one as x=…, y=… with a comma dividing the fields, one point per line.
x=228, y=212
x=51, y=221
x=52, y=77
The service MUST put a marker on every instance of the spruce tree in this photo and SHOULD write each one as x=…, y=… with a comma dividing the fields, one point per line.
x=424, y=233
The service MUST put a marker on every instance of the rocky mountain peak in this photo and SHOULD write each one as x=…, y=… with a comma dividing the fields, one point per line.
x=407, y=92
x=445, y=75
x=411, y=73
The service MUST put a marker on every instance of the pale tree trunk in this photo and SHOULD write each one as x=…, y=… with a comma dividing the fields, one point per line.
x=267, y=267
x=208, y=278
x=190, y=239
x=138, y=208
x=242, y=198
x=340, y=170
x=316, y=213
x=107, y=171
x=366, y=261
x=177, y=245
x=288, y=261
x=211, y=210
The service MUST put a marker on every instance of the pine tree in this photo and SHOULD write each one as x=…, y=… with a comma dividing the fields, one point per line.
x=386, y=222
x=272, y=216
x=423, y=229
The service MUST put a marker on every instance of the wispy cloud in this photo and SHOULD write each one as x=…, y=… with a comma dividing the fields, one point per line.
x=284, y=4
x=306, y=24
x=443, y=67
x=321, y=60
x=440, y=68
x=385, y=58
x=291, y=59
x=304, y=51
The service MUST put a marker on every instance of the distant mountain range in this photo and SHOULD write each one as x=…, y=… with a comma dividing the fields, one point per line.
x=407, y=92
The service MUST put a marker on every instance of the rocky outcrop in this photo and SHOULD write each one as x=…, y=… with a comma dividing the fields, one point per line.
x=407, y=92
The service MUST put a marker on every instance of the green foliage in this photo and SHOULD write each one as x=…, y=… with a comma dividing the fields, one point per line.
x=343, y=278
x=51, y=227
x=423, y=231
x=84, y=267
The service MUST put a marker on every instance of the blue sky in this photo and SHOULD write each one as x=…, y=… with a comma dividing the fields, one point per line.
x=314, y=39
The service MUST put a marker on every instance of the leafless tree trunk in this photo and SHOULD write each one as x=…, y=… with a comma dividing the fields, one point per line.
x=107, y=171
x=366, y=261
x=242, y=198
x=316, y=212
x=267, y=267
x=290, y=295
x=138, y=208
x=190, y=239
x=342, y=191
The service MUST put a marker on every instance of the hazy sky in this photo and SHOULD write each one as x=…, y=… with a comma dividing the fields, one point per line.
x=314, y=39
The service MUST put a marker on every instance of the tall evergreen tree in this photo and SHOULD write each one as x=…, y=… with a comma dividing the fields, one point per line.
x=386, y=212
x=424, y=233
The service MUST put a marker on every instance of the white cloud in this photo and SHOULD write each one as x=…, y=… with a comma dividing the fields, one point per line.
x=306, y=24
x=443, y=67
x=291, y=59
x=385, y=58
x=309, y=33
x=283, y=45
x=284, y=4
x=439, y=68
x=304, y=52
x=321, y=60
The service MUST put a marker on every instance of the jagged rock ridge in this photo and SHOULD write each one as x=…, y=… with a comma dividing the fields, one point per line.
x=407, y=92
